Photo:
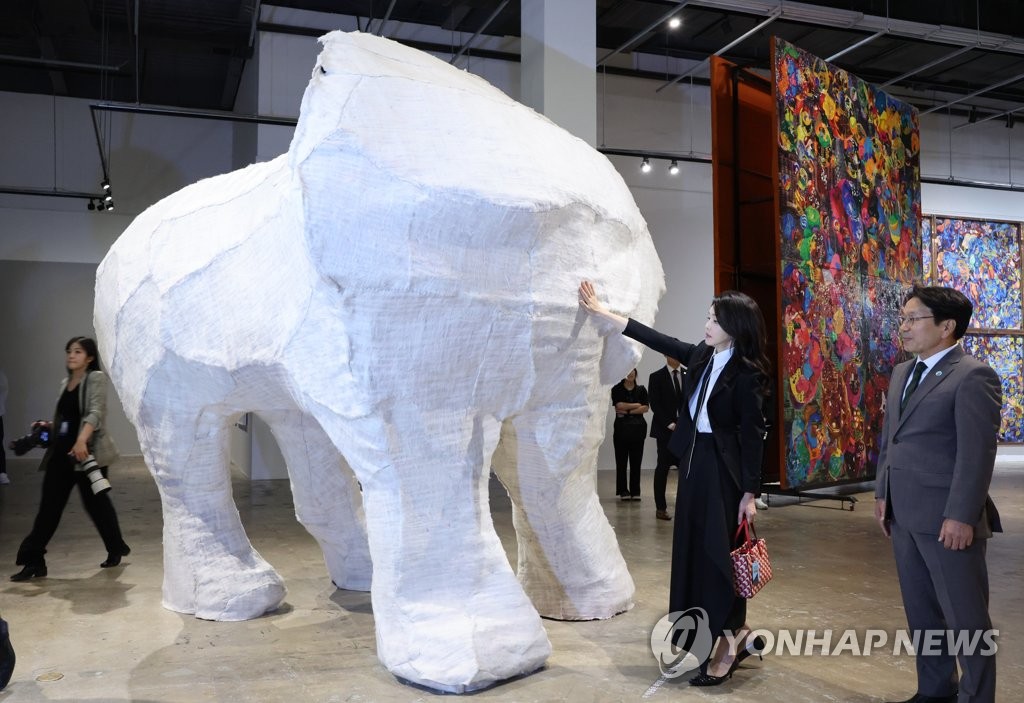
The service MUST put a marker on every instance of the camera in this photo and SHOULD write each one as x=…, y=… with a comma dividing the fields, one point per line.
x=97, y=481
x=38, y=437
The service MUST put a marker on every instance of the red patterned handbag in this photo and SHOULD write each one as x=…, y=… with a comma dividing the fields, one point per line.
x=751, y=566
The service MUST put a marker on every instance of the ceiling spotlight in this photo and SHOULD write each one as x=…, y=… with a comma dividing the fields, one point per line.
x=673, y=168
x=92, y=204
x=110, y=205
x=674, y=23
x=108, y=197
x=1009, y=120
x=106, y=184
x=645, y=165
x=972, y=116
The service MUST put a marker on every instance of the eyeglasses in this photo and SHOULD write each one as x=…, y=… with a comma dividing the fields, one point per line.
x=904, y=320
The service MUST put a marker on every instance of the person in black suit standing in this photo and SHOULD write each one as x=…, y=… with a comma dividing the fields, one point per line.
x=665, y=390
x=719, y=438
x=935, y=465
x=629, y=434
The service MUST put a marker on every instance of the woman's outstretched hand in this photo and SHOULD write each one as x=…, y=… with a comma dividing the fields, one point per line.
x=608, y=321
x=588, y=298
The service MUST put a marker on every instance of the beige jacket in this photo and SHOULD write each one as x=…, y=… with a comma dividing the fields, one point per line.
x=92, y=401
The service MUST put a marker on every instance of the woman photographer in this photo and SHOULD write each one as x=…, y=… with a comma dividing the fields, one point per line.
x=77, y=435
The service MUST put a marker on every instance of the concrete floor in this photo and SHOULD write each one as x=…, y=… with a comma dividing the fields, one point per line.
x=91, y=634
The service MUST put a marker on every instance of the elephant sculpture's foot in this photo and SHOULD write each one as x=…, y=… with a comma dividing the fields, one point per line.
x=458, y=651
x=228, y=589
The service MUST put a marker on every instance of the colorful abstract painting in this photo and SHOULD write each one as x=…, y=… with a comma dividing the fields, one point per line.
x=1005, y=354
x=849, y=227
x=981, y=260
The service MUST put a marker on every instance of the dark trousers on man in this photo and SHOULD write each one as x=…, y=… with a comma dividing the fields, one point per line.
x=665, y=459
x=946, y=590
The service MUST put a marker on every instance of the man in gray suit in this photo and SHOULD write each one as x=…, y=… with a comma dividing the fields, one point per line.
x=934, y=468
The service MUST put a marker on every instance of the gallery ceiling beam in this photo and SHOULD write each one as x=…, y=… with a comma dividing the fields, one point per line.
x=486, y=24
x=862, y=42
x=849, y=19
x=643, y=32
x=931, y=64
x=385, y=18
x=993, y=116
x=1000, y=84
x=738, y=40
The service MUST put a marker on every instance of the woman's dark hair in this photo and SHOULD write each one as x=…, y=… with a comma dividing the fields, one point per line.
x=88, y=345
x=945, y=304
x=741, y=318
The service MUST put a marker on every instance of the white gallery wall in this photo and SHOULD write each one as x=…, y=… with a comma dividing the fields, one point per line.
x=49, y=247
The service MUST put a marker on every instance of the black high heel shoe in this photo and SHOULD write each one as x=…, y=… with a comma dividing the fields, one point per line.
x=754, y=646
x=30, y=571
x=114, y=558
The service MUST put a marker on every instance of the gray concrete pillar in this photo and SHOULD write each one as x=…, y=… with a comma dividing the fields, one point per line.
x=559, y=77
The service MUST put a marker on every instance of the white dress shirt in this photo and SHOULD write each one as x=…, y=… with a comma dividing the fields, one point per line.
x=717, y=363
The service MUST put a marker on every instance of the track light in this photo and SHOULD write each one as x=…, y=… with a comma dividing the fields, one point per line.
x=674, y=23
x=645, y=165
x=106, y=184
x=109, y=197
x=972, y=116
x=92, y=204
x=673, y=168
x=110, y=205
x=1009, y=120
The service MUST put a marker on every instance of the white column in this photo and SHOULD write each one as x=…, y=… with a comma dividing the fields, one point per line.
x=559, y=76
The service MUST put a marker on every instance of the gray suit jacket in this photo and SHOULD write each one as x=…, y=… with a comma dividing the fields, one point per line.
x=92, y=401
x=936, y=459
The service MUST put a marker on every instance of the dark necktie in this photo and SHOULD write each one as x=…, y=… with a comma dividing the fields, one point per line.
x=703, y=392
x=919, y=370
x=675, y=383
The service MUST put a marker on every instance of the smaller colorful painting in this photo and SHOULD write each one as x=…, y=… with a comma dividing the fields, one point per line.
x=926, y=247
x=1005, y=354
x=982, y=260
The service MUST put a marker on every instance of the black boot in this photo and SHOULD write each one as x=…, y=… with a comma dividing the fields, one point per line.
x=30, y=571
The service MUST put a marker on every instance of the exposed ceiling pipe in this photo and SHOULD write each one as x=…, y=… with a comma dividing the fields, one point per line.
x=1000, y=84
x=486, y=24
x=385, y=18
x=54, y=63
x=993, y=116
x=182, y=112
x=644, y=32
x=930, y=64
x=862, y=42
x=738, y=40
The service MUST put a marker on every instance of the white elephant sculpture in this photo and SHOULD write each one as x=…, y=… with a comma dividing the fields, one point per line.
x=396, y=297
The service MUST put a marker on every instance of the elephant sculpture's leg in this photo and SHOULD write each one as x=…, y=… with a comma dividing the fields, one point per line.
x=448, y=609
x=210, y=568
x=569, y=560
x=326, y=495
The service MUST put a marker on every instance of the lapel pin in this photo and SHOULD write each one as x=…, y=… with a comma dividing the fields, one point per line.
x=938, y=373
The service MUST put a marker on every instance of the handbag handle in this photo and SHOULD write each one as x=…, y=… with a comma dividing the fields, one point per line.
x=745, y=527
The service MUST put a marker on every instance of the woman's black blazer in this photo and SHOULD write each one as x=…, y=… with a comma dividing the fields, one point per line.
x=734, y=407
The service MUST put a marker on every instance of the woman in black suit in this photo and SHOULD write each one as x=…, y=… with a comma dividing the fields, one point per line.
x=720, y=442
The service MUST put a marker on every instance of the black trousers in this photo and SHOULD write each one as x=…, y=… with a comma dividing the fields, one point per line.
x=665, y=459
x=628, y=441
x=3, y=450
x=58, y=481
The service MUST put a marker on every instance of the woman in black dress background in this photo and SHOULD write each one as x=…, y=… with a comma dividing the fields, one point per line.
x=720, y=441
x=629, y=434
